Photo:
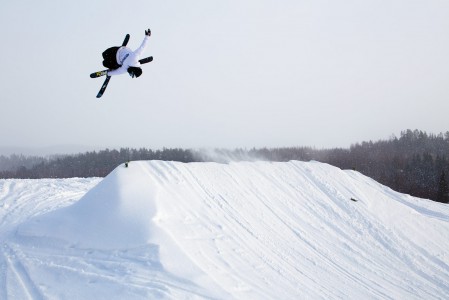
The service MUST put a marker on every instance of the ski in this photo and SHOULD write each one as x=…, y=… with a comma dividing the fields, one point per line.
x=105, y=72
x=104, y=86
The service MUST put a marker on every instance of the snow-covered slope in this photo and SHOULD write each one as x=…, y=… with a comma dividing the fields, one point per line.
x=243, y=230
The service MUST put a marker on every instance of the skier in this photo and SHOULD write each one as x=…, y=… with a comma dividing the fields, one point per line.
x=122, y=59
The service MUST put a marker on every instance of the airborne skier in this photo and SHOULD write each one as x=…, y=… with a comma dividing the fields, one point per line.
x=122, y=59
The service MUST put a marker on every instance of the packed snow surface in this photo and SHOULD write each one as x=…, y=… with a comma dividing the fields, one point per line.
x=246, y=230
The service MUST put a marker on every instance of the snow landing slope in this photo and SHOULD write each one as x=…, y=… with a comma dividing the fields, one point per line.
x=243, y=230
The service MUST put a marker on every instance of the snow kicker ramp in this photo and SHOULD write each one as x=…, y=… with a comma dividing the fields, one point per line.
x=247, y=230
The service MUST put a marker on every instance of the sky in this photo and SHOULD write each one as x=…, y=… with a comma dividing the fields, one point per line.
x=225, y=73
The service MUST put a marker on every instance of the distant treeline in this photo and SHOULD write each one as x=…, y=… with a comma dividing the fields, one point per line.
x=416, y=163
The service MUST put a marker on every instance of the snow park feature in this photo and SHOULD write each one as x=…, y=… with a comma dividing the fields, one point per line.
x=242, y=230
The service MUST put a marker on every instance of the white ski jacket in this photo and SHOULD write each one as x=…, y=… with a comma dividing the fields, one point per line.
x=128, y=58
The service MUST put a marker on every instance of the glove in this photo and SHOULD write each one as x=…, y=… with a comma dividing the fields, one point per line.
x=148, y=32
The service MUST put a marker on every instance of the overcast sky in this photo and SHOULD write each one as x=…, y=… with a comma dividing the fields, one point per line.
x=250, y=73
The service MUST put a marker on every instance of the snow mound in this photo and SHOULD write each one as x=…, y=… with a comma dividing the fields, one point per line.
x=117, y=213
x=247, y=230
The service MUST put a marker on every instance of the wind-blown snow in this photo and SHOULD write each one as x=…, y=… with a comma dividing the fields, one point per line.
x=247, y=230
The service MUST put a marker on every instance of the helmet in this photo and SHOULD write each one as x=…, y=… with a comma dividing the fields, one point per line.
x=134, y=71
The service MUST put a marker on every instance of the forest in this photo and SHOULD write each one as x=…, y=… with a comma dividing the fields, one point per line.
x=414, y=163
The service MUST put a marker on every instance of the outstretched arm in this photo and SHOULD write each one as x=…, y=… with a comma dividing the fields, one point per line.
x=142, y=47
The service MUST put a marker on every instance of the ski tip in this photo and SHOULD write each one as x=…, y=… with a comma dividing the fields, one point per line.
x=99, y=74
x=125, y=41
x=146, y=60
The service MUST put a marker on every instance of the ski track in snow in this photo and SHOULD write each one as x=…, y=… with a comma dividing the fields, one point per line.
x=24, y=283
x=20, y=200
x=256, y=230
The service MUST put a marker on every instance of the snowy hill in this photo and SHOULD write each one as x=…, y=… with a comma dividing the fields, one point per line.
x=254, y=230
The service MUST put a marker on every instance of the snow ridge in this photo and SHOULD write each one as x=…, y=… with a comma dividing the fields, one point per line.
x=246, y=230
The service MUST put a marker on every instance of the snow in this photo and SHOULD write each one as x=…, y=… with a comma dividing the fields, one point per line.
x=246, y=230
